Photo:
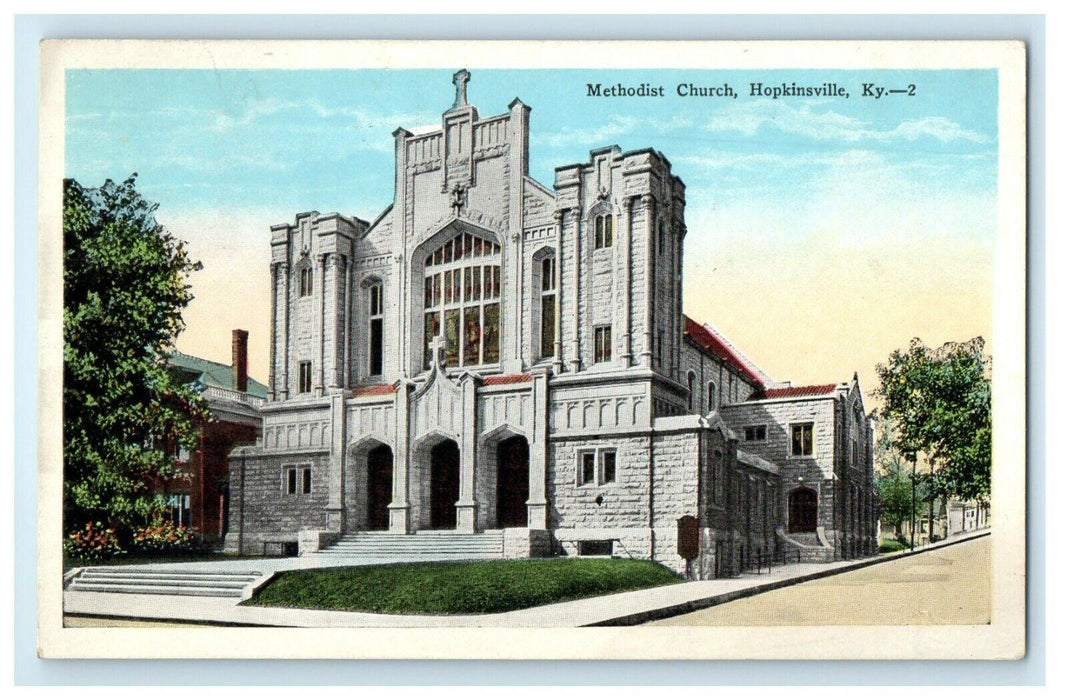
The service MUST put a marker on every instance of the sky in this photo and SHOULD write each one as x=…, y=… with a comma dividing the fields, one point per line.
x=823, y=233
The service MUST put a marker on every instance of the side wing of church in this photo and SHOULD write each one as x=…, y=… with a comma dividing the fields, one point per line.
x=491, y=357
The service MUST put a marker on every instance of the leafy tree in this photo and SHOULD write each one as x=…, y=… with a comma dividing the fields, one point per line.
x=125, y=285
x=939, y=402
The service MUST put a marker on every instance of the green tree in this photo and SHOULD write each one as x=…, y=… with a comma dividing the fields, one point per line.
x=125, y=285
x=939, y=404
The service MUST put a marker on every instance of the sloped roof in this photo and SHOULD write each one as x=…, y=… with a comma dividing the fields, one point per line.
x=794, y=392
x=208, y=373
x=499, y=379
x=374, y=390
x=710, y=340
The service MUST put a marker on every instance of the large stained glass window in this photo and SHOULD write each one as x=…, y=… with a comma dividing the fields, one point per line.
x=462, y=301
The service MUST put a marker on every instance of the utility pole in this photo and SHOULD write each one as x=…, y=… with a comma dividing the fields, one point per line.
x=912, y=508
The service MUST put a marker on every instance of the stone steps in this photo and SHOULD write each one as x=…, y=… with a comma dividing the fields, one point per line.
x=146, y=582
x=422, y=546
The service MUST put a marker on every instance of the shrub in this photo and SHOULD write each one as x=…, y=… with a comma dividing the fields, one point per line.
x=164, y=536
x=92, y=544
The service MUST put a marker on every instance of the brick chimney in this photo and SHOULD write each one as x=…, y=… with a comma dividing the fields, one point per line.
x=240, y=360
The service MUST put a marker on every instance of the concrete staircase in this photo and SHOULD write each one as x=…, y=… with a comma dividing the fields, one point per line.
x=102, y=579
x=440, y=545
x=803, y=547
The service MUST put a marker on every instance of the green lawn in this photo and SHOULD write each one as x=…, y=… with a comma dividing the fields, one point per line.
x=461, y=588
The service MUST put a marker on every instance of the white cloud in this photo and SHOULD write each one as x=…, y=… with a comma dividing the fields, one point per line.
x=750, y=117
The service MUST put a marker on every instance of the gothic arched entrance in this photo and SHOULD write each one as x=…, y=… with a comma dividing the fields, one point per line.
x=803, y=510
x=444, y=485
x=379, y=487
x=512, y=481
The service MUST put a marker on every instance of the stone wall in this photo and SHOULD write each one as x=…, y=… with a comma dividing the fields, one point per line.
x=265, y=511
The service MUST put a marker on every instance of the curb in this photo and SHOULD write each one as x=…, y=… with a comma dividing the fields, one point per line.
x=712, y=601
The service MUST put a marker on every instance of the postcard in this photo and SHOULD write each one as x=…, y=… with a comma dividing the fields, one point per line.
x=532, y=350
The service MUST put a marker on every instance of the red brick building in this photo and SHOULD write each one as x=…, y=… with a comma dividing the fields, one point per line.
x=201, y=501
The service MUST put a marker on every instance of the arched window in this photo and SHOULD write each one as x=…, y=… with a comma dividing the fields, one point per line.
x=548, y=306
x=691, y=379
x=603, y=225
x=711, y=396
x=462, y=301
x=375, y=331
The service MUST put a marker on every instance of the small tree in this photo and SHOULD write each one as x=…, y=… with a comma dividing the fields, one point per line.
x=939, y=403
x=125, y=285
x=899, y=498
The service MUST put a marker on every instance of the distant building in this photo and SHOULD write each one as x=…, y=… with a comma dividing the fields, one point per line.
x=201, y=501
x=491, y=355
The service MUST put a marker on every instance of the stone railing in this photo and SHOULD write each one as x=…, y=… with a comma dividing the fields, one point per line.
x=214, y=392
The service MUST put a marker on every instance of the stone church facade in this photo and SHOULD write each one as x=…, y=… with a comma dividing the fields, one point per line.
x=491, y=354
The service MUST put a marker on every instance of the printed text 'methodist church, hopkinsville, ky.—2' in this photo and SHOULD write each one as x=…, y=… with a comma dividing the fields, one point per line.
x=495, y=364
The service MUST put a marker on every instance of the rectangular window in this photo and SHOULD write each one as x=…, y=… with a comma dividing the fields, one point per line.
x=587, y=475
x=596, y=467
x=803, y=444
x=548, y=307
x=755, y=433
x=290, y=486
x=602, y=344
x=376, y=346
x=603, y=232
x=491, y=338
x=305, y=282
x=307, y=480
x=305, y=377
x=608, y=460
x=548, y=325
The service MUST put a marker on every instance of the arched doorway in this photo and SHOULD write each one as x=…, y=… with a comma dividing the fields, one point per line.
x=379, y=487
x=803, y=510
x=444, y=485
x=512, y=481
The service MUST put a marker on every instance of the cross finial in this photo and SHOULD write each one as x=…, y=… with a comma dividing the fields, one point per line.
x=437, y=351
x=459, y=79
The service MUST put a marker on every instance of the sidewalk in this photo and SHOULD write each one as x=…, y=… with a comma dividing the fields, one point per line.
x=629, y=608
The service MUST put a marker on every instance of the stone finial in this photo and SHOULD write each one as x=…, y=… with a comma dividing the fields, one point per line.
x=460, y=79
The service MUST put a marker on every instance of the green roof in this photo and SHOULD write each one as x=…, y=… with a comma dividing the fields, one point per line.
x=197, y=369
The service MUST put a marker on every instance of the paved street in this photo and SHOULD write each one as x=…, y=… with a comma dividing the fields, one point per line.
x=949, y=586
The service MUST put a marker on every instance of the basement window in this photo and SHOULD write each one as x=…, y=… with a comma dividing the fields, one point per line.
x=594, y=548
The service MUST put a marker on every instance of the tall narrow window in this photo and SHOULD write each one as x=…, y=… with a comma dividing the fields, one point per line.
x=305, y=281
x=604, y=233
x=305, y=377
x=548, y=307
x=803, y=443
x=662, y=237
x=691, y=380
x=712, y=398
x=602, y=344
x=306, y=481
x=462, y=301
x=375, y=314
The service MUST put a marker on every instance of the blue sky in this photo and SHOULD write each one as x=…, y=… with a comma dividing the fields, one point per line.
x=788, y=182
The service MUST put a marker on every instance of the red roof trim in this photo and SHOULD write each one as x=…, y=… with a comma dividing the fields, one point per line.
x=374, y=390
x=712, y=343
x=794, y=392
x=500, y=379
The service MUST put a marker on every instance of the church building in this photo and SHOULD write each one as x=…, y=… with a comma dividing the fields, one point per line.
x=500, y=359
